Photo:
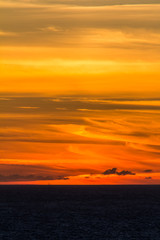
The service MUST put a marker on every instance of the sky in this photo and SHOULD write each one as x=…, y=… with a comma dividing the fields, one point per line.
x=79, y=92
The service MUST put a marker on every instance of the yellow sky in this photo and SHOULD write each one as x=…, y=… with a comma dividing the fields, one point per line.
x=79, y=91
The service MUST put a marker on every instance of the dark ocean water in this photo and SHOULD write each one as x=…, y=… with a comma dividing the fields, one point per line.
x=79, y=212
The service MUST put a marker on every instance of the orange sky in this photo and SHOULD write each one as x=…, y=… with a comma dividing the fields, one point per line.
x=79, y=92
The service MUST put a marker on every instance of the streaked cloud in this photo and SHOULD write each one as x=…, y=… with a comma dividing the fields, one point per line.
x=13, y=178
x=50, y=29
x=148, y=170
x=5, y=34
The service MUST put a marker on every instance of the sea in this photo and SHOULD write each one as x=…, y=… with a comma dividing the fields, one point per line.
x=80, y=212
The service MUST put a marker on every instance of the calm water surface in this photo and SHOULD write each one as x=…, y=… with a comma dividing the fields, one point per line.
x=79, y=212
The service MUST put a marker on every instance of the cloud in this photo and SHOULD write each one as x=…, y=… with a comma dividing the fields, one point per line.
x=62, y=178
x=77, y=136
x=114, y=171
x=110, y=171
x=28, y=107
x=6, y=34
x=148, y=170
x=148, y=178
x=31, y=170
x=45, y=105
x=76, y=29
x=31, y=177
x=123, y=173
x=50, y=29
x=88, y=3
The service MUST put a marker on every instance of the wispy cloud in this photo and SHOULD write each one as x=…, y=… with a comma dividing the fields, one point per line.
x=7, y=34
x=50, y=29
x=28, y=107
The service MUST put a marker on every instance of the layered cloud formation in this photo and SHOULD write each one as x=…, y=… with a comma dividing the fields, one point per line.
x=75, y=138
x=94, y=47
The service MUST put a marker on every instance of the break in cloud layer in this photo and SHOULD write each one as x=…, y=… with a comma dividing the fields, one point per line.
x=76, y=139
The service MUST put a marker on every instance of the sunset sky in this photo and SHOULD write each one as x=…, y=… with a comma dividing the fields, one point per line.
x=79, y=92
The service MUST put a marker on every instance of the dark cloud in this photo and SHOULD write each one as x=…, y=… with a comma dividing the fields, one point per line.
x=110, y=171
x=62, y=178
x=114, y=171
x=26, y=105
x=123, y=173
x=138, y=134
x=62, y=141
x=23, y=172
x=148, y=170
x=31, y=177
x=148, y=178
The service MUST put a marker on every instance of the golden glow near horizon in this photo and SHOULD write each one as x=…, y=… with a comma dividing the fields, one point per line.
x=79, y=92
